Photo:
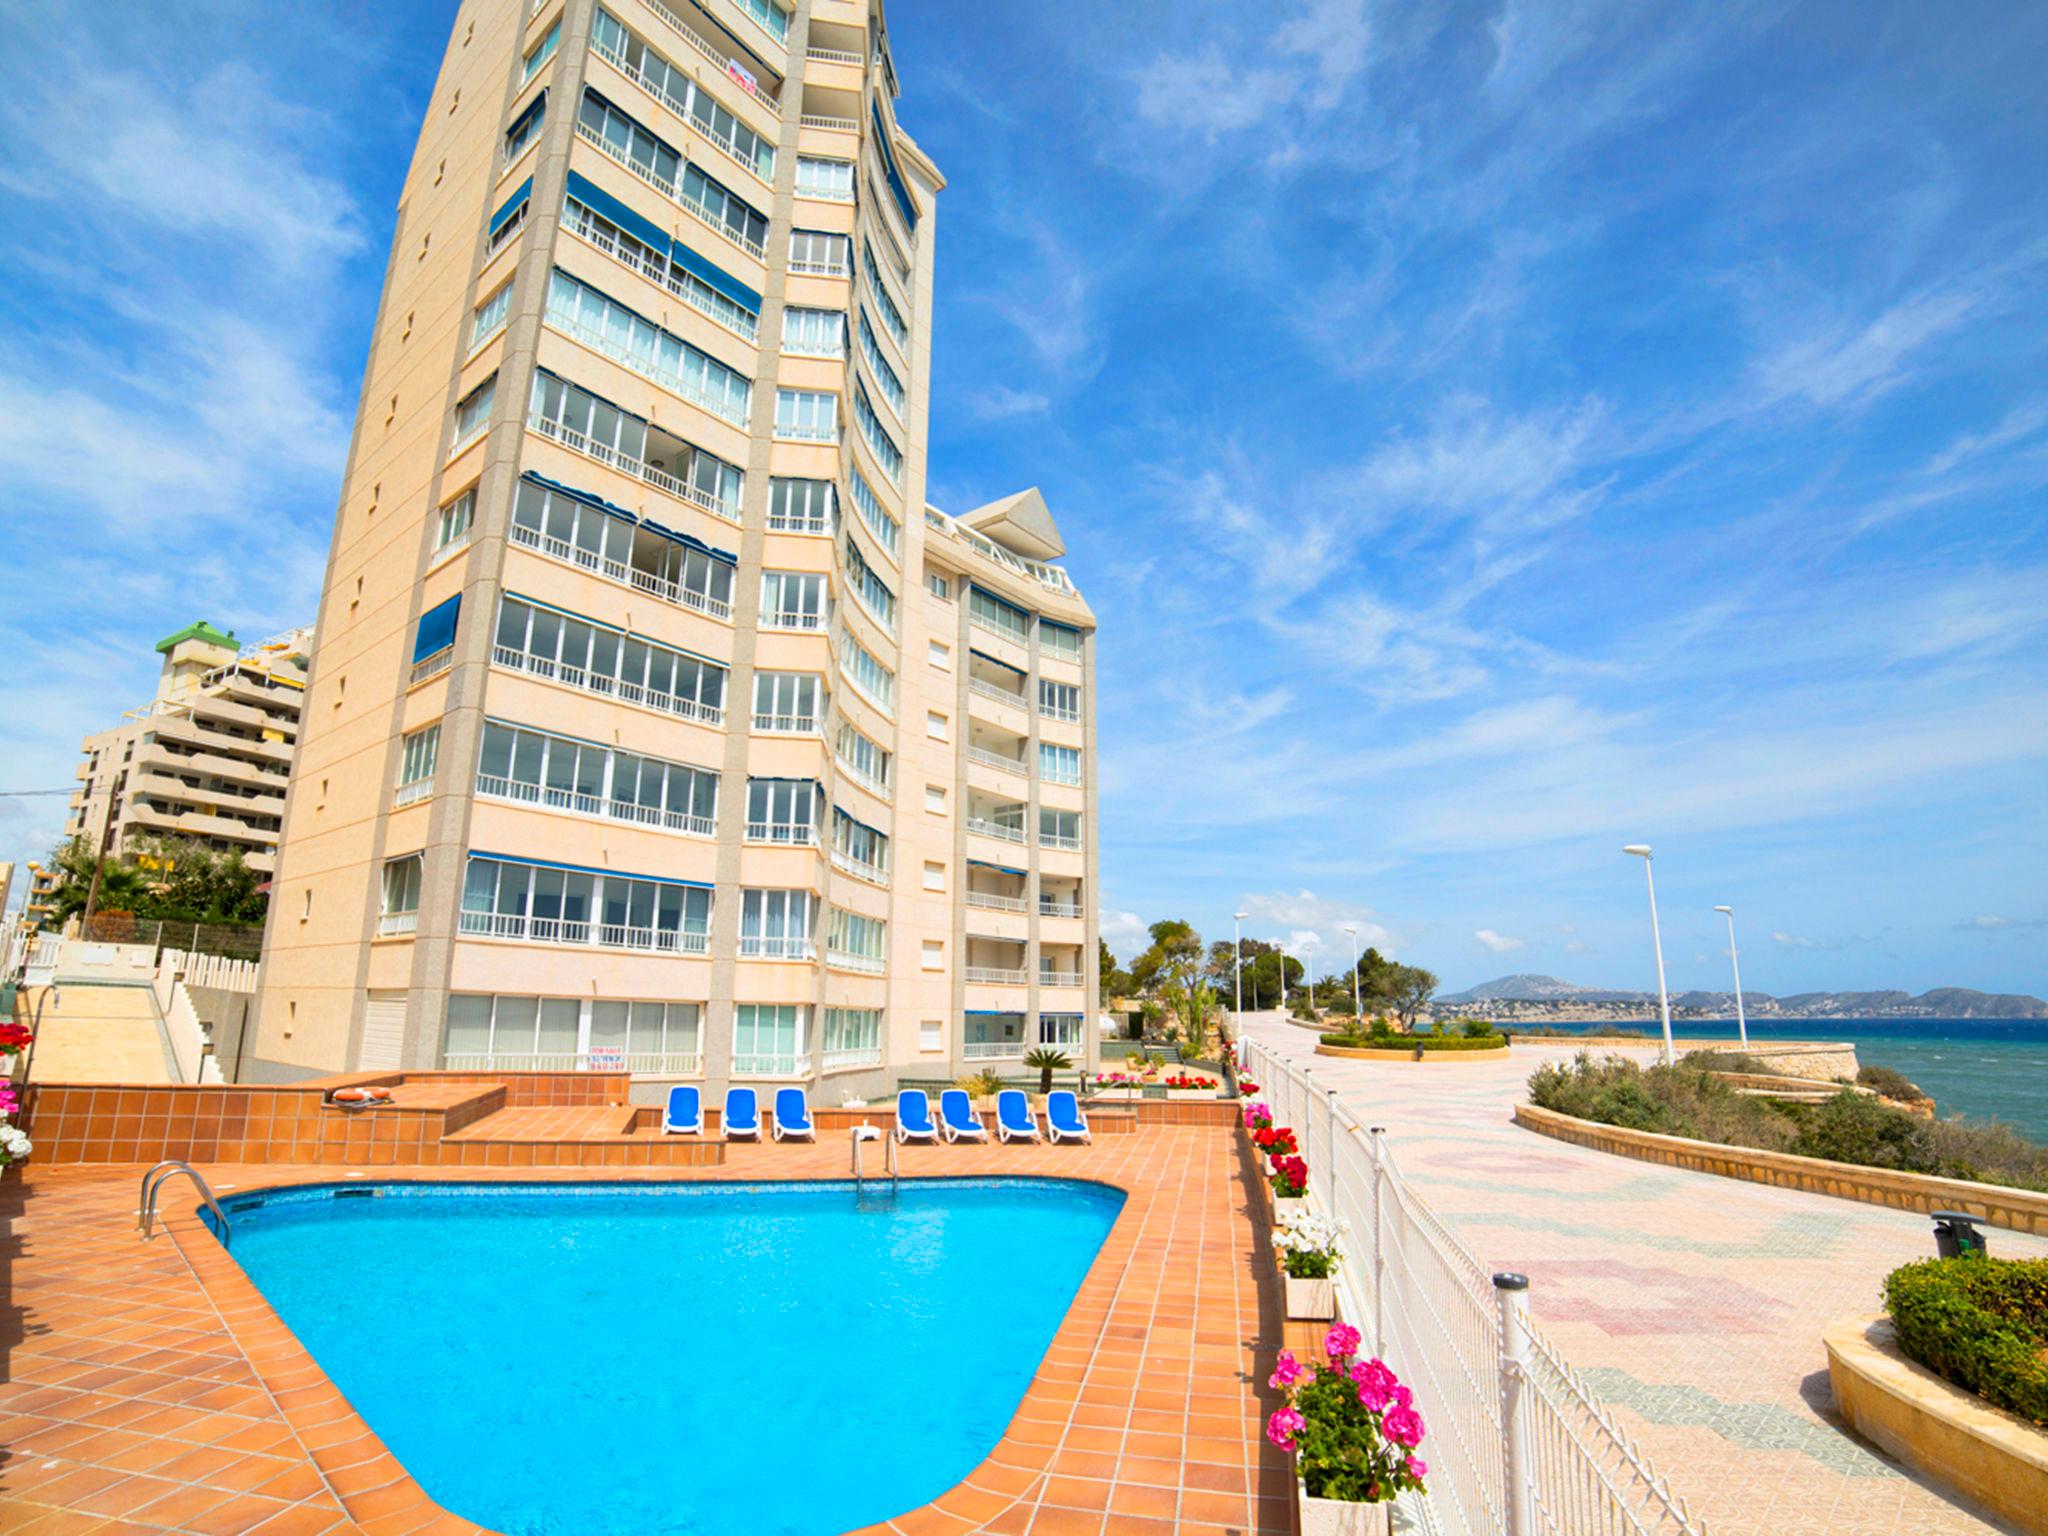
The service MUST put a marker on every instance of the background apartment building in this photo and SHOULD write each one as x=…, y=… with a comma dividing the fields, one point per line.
x=659, y=721
x=209, y=757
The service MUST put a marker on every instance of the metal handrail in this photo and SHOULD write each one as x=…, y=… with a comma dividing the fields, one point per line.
x=153, y=1183
x=865, y=1133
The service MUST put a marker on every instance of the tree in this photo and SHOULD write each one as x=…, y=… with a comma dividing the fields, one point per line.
x=1116, y=981
x=1409, y=988
x=1046, y=1061
x=167, y=879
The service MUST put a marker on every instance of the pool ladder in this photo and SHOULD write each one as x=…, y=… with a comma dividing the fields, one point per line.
x=153, y=1183
x=862, y=1134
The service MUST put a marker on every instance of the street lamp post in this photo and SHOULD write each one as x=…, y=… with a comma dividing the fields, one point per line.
x=1357, y=1000
x=1642, y=851
x=1741, y=1022
x=1280, y=945
x=1237, y=965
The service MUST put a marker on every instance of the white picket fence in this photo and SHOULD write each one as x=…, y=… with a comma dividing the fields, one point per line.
x=218, y=971
x=1517, y=1443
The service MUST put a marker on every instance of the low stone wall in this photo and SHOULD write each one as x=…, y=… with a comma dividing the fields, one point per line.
x=2017, y=1209
x=1408, y=1053
x=1817, y=1063
x=1946, y=1433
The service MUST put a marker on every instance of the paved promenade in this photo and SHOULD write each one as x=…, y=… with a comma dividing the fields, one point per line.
x=1693, y=1304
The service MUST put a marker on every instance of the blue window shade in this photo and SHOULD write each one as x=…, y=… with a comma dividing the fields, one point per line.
x=437, y=628
x=723, y=282
x=595, y=198
x=583, y=869
x=1003, y=868
x=889, y=169
x=512, y=205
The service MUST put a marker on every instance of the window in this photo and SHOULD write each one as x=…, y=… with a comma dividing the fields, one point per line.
x=801, y=506
x=935, y=799
x=1058, y=765
x=853, y=1037
x=788, y=701
x=857, y=943
x=1059, y=701
x=473, y=413
x=655, y=1037
x=1059, y=640
x=873, y=592
x=770, y=15
x=679, y=280
x=776, y=925
x=934, y=952
x=525, y=128
x=941, y=656
x=1059, y=829
x=623, y=336
x=814, y=332
x=400, y=912
x=416, y=759
x=484, y=1031
x=792, y=600
x=542, y=51
x=505, y=225
x=931, y=1035
x=858, y=847
x=628, y=142
x=723, y=209
x=935, y=725
x=934, y=876
x=592, y=425
x=830, y=179
x=563, y=773
x=768, y=1040
x=682, y=95
x=868, y=675
x=938, y=586
x=819, y=253
x=807, y=415
x=452, y=521
x=1060, y=1029
x=886, y=452
x=490, y=316
x=880, y=523
x=992, y=613
x=885, y=376
x=558, y=904
x=782, y=811
x=863, y=758
x=617, y=547
x=892, y=317
x=596, y=658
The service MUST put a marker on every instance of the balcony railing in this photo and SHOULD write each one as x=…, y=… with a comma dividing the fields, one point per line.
x=727, y=146
x=866, y=781
x=469, y=437
x=850, y=962
x=998, y=760
x=689, y=36
x=829, y=124
x=661, y=480
x=793, y=620
x=647, y=1063
x=788, y=834
x=731, y=316
x=982, y=1050
x=988, y=901
x=874, y=874
x=793, y=946
x=995, y=975
x=806, y=432
x=806, y=522
x=858, y=1056
x=579, y=803
x=833, y=56
x=772, y=1064
x=555, y=930
x=617, y=570
x=1059, y=978
x=667, y=188
x=1059, y=840
x=820, y=268
x=787, y=725
x=395, y=924
x=1000, y=695
x=1057, y=712
x=1063, y=1036
x=1058, y=908
x=999, y=829
x=598, y=341
x=434, y=665
x=590, y=682
x=411, y=794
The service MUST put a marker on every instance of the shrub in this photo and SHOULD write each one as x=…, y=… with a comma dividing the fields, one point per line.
x=1987, y=1151
x=1890, y=1082
x=981, y=1085
x=1980, y=1322
x=1854, y=1127
x=1308, y=1244
x=1671, y=1101
x=1393, y=1042
x=1476, y=1029
x=1724, y=1061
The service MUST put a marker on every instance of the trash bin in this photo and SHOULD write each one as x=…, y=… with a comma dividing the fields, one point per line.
x=1956, y=1235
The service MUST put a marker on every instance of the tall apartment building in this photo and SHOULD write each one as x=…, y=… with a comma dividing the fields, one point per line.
x=659, y=721
x=209, y=757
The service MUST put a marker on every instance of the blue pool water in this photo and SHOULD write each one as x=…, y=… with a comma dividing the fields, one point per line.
x=678, y=1359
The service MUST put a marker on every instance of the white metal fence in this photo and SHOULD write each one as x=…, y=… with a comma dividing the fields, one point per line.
x=1517, y=1444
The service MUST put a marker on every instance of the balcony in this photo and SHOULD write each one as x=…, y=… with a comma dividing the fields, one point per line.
x=989, y=901
x=858, y=1056
x=998, y=760
x=606, y=687
x=577, y=802
x=728, y=314
x=772, y=1064
x=413, y=793
x=647, y=548
x=997, y=976
x=640, y=1063
x=1050, y=908
x=432, y=666
x=784, y=834
x=667, y=188
x=555, y=930
x=787, y=725
x=874, y=874
x=652, y=474
x=392, y=925
x=996, y=1050
x=866, y=964
x=996, y=829
x=792, y=946
x=1059, y=978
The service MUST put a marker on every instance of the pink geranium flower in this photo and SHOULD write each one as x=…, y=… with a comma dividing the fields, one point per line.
x=1404, y=1427
x=1372, y=1392
x=1283, y=1426
x=1286, y=1372
x=1341, y=1342
x=1416, y=1468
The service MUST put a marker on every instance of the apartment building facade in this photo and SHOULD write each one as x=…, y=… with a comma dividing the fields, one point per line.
x=659, y=721
x=209, y=757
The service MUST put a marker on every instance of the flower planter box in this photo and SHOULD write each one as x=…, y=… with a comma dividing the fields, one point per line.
x=1275, y=1206
x=1310, y=1300
x=1177, y=1094
x=1335, y=1517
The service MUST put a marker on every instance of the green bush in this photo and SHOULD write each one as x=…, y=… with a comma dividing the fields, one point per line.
x=1980, y=1322
x=1854, y=1127
x=1891, y=1083
x=1724, y=1061
x=1671, y=1101
x=1476, y=1029
x=1394, y=1042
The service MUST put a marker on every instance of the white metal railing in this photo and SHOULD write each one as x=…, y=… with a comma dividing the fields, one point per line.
x=602, y=344
x=555, y=930
x=787, y=725
x=1000, y=695
x=434, y=665
x=661, y=480
x=1059, y=776
x=772, y=1064
x=1056, y=712
x=689, y=35
x=820, y=268
x=1001, y=631
x=998, y=760
x=411, y=794
x=591, y=682
x=1520, y=1445
x=865, y=780
x=792, y=620
x=852, y=962
x=790, y=834
x=996, y=975
x=672, y=941
x=989, y=828
x=1059, y=978
x=666, y=279
x=857, y=1056
x=786, y=946
x=829, y=124
x=215, y=971
x=1059, y=840
x=651, y=1063
x=827, y=195
x=392, y=924
x=619, y=571
x=832, y=56
x=874, y=874
x=1058, y=908
x=578, y=802
x=988, y=901
x=470, y=436
x=980, y=1050
x=803, y=432
x=808, y=522
x=727, y=146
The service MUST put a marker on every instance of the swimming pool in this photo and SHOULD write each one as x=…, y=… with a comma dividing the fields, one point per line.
x=678, y=1359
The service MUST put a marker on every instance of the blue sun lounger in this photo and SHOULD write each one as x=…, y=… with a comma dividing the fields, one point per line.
x=742, y=1117
x=957, y=1117
x=685, y=1113
x=914, y=1116
x=793, y=1115
x=1063, y=1117
x=1014, y=1120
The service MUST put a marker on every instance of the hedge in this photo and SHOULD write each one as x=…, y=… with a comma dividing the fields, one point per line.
x=1410, y=1042
x=1980, y=1322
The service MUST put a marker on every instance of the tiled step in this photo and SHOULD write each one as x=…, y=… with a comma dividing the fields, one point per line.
x=102, y=1035
x=588, y=1122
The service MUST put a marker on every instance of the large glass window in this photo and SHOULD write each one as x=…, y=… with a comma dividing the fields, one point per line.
x=808, y=415
x=723, y=208
x=858, y=943
x=677, y=279
x=400, y=912
x=788, y=701
x=607, y=325
x=473, y=414
x=819, y=177
x=629, y=142
x=654, y=1037
x=887, y=454
x=853, y=1037
x=801, y=506
x=1059, y=829
x=540, y=1033
x=814, y=332
x=417, y=757
x=864, y=757
x=490, y=316
x=1059, y=640
x=681, y=94
x=792, y=600
x=1059, y=701
x=819, y=253
x=991, y=612
x=598, y=540
x=880, y=522
x=777, y=925
x=885, y=376
x=561, y=772
x=526, y=128
x=453, y=520
x=782, y=811
x=859, y=845
x=599, y=659
x=892, y=317
x=768, y=1039
x=869, y=587
x=1058, y=765
x=540, y=53
x=866, y=673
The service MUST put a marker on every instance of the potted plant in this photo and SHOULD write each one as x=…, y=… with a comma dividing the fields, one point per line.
x=1307, y=1245
x=1287, y=1185
x=1185, y=1085
x=1354, y=1431
x=14, y=1143
x=1045, y=1061
x=1274, y=1141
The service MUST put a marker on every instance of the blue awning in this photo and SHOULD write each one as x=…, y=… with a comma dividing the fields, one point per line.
x=719, y=279
x=437, y=628
x=889, y=169
x=512, y=205
x=591, y=500
x=999, y=868
x=595, y=198
x=583, y=869
x=995, y=661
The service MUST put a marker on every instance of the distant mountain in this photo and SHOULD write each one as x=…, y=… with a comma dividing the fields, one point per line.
x=1529, y=995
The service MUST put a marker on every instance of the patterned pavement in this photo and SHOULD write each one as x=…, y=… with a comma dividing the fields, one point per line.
x=1693, y=1304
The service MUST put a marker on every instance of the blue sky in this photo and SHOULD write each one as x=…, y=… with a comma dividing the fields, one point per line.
x=1490, y=434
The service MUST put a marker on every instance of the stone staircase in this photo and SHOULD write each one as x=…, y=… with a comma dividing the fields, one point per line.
x=102, y=1034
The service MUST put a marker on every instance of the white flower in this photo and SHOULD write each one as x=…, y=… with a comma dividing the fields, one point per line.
x=14, y=1142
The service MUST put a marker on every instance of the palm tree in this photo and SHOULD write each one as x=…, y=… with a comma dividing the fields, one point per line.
x=1048, y=1061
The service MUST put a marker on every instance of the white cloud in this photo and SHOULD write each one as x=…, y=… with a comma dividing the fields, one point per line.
x=1124, y=932
x=1317, y=922
x=1845, y=363
x=1990, y=922
x=2017, y=425
x=1577, y=947
x=1498, y=943
x=999, y=402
